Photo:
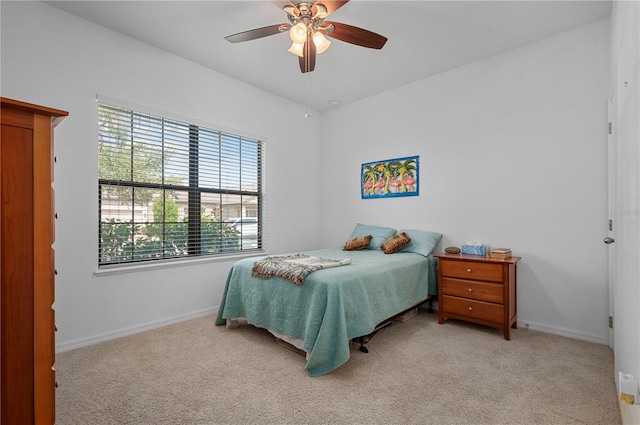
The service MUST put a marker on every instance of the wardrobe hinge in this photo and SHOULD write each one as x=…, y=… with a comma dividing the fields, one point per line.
x=610, y=127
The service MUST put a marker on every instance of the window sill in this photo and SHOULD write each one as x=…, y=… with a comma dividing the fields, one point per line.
x=182, y=262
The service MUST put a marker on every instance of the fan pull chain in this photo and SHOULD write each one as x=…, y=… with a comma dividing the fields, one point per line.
x=307, y=114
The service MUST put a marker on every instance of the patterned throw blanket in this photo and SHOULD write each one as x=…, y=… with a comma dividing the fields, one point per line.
x=293, y=268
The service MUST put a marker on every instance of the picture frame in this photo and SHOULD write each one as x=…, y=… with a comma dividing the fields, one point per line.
x=390, y=178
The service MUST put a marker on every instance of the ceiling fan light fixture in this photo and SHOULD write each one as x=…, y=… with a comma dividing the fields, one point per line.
x=321, y=42
x=297, y=49
x=321, y=11
x=290, y=10
x=298, y=33
x=308, y=30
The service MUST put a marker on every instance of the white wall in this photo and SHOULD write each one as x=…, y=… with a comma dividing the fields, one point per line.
x=513, y=153
x=57, y=60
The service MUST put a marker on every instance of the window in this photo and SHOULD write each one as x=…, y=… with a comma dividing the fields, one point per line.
x=168, y=189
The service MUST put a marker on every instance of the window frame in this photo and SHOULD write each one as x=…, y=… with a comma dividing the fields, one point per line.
x=195, y=191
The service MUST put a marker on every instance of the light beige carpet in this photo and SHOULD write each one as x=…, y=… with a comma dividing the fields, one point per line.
x=417, y=372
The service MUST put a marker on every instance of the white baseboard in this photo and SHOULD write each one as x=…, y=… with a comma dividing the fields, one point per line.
x=132, y=330
x=556, y=330
x=630, y=413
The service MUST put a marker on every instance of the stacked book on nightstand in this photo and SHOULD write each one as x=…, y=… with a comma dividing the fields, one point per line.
x=500, y=253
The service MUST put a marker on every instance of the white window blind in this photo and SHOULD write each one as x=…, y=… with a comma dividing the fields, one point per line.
x=169, y=189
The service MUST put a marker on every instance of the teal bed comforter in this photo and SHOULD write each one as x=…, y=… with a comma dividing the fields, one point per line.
x=333, y=305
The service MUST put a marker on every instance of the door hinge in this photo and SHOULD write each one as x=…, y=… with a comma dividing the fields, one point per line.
x=611, y=322
x=610, y=127
x=610, y=225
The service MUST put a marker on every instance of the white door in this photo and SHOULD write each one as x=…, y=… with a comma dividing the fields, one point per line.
x=612, y=206
x=625, y=255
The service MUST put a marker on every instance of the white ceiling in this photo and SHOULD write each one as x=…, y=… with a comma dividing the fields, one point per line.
x=425, y=38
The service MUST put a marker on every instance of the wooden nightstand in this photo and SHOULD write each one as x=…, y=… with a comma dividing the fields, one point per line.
x=478, y=289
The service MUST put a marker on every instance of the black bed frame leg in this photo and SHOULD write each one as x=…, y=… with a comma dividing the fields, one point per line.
x=430, y=309
x=362, y=347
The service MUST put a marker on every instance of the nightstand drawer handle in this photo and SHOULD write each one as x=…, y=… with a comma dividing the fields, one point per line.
x=470, y=309
x=470, y=290
x=468, y=270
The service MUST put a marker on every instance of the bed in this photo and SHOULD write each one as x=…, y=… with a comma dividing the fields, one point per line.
x=337, y=304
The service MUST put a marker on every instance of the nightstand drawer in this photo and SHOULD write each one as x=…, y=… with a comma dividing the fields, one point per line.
x=476, y=309
x=472, y=270
x=492, y=292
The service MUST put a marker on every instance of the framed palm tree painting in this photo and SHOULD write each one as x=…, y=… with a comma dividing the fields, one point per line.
x=390, y=178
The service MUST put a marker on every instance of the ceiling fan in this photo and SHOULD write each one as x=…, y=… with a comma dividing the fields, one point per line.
x=307, y=28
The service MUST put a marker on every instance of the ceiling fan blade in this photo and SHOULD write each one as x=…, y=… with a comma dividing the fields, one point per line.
x=331, y=6
x=308, y=60
x=355, y=35
x=257, y=33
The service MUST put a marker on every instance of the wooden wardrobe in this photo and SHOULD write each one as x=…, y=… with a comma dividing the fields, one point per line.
x=27, y=223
